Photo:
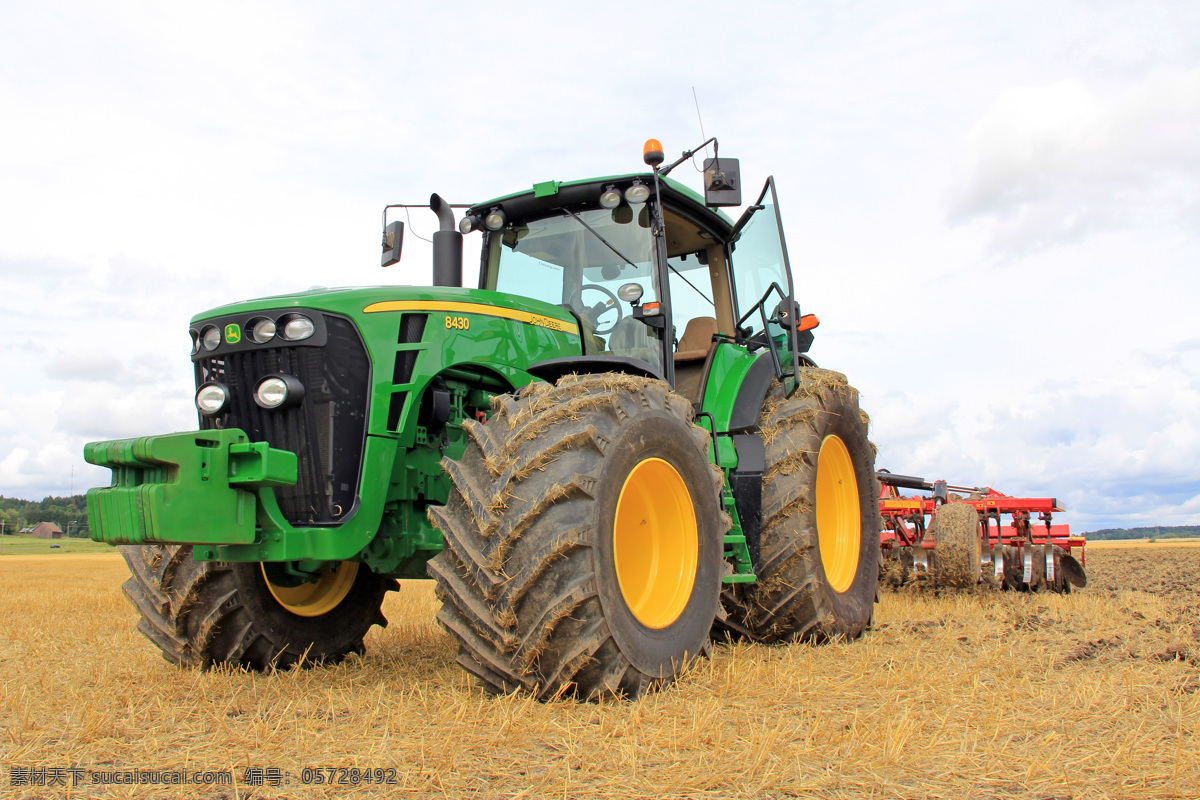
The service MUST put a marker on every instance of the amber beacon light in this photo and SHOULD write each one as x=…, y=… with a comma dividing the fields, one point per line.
x=652, y=152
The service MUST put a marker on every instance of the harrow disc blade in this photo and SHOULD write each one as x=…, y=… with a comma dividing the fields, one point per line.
x=1041, y=567
x=1072, y=571
x=1021, y=568
x=899, y=566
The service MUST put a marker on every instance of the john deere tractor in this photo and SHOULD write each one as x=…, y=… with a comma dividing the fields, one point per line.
x=610, y=452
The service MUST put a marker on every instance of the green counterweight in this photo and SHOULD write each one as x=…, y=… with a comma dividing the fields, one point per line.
x=194, y=488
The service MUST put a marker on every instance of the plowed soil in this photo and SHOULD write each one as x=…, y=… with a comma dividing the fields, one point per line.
x=968, y=694
x=1167, y=569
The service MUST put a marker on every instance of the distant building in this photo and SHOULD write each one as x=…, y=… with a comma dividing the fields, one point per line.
x=46, y=530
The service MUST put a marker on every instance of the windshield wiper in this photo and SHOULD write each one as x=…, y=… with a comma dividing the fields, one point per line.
x=596, y=233
x=625, y=258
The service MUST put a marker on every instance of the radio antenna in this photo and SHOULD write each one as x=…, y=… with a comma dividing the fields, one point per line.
x=701, y=119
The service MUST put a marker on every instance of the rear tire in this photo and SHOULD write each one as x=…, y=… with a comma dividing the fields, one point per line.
x=956, y=546
x=206, y=613
x=819, y=565
x=583, y=540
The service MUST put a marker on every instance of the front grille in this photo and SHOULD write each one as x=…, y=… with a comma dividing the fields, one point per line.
x=327, y=430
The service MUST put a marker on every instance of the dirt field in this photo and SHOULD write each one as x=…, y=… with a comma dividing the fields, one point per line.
x=959, y=696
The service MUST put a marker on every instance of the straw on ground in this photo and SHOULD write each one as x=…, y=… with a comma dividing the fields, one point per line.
x=996, y=695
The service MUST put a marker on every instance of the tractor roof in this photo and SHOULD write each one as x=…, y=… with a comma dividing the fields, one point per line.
x=550, y=195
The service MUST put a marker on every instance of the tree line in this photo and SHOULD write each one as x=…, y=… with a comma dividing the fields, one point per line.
x=62, y=511
x=1150, y=532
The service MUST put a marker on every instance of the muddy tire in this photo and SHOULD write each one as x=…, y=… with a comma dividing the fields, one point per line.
x=206, y=613
x=819, y=564
x=956, y=546
x=583, y=540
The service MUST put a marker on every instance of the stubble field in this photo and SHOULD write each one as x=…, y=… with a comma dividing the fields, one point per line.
x=969, y=695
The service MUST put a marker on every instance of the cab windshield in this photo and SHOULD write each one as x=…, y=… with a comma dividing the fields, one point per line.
x=579, y=261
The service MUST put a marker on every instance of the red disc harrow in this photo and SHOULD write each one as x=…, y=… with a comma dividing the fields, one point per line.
x=957, y=536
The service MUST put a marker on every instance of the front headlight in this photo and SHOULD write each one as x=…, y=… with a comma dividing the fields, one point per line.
x=495, y=219
x=611, y=198
x=211, y=398
x=638, y=193
x=262, y=330
x=279, y=391
x=468, y=223
x=297, y=327
x=210, y=337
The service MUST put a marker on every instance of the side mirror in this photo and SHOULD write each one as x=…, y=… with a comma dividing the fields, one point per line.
x=393, y=239
x=722, y=182
x=786, y=315
x=792, y=319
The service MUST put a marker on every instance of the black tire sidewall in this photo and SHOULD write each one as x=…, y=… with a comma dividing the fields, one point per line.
x=326, y=637
x=658, y=652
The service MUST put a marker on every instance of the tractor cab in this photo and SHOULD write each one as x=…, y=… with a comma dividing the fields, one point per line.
x=654, y=273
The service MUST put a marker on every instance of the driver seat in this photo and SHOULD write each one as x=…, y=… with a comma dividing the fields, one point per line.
x=697, y=339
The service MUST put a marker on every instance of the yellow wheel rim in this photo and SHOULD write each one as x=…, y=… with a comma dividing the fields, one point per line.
x=839, y=524
x=655, y=543
x=317, y=597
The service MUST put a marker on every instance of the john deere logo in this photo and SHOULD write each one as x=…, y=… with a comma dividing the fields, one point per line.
x=233, y=333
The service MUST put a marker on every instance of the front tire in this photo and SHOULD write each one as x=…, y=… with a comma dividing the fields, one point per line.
x=206, y=613
x=819, y=565
x=583, y=540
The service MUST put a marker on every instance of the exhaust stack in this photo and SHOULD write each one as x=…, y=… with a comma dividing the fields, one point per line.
x=447, y=245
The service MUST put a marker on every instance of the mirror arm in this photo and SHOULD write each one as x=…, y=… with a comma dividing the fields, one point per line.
x=688, y=154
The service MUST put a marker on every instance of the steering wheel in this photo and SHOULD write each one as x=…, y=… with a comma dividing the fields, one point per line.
x=594, y=312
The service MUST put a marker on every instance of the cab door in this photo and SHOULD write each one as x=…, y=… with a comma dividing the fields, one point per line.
x=764, y=295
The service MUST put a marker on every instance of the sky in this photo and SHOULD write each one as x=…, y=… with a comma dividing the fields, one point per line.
x=994, y=208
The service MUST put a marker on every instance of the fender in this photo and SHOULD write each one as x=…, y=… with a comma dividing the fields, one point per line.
x=748, y=405
x=554, y=368
x=753, y=392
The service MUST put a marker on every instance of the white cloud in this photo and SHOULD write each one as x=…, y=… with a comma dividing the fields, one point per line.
x=1052, y=164
x=90, y=364
x=1116, y=451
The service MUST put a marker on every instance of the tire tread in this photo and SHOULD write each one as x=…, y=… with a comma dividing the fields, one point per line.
x=518, y=577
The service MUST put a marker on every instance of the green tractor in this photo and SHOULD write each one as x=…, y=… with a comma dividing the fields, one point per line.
x=610, y=453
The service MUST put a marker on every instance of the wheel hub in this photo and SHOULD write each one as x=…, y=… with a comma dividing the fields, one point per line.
x=655, y=543
x=317, y=597
x=839, y=523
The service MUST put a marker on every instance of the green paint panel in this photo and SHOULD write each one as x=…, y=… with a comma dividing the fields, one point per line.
x=731, y=363
x=160, y=495
x=279, y=540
